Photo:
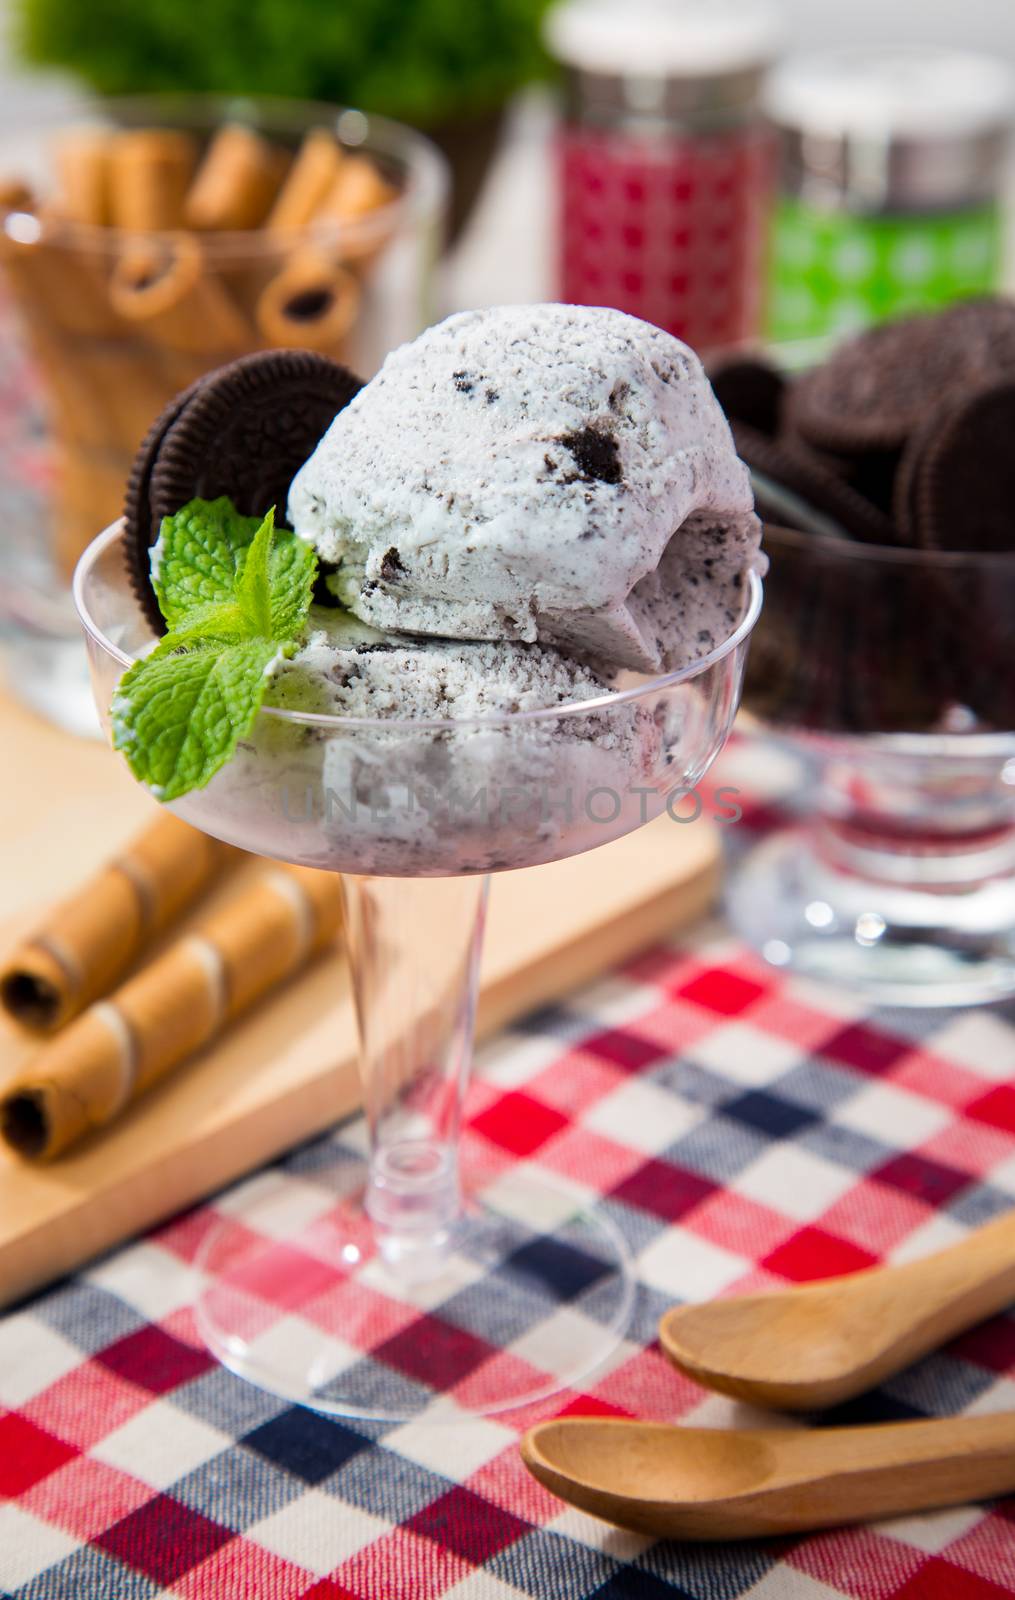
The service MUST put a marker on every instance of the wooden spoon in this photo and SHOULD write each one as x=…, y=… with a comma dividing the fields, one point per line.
x=711, y=1483
x=807, y=1348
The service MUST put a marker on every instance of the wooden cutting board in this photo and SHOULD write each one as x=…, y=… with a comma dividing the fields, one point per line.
x=287, y=1070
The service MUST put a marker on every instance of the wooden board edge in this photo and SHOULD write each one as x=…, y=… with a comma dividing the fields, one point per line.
x=186, y=1176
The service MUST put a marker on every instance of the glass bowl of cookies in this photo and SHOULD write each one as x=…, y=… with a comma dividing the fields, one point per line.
x=143, y=245
x=884, y=657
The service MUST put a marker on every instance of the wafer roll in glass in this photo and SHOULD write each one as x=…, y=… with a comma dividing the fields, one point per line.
x=310, y=305
x=82, y=165
x=308, y=182
x=236, y=182
x=150, y=173
x=168, y=293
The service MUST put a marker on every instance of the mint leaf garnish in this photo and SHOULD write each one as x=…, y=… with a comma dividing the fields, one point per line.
x=292, y=573
x=236, y=592
x=253, y=587
x=177, y=719
x=199, y=555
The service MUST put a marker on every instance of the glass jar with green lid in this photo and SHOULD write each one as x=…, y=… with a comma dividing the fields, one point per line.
x=891, y=169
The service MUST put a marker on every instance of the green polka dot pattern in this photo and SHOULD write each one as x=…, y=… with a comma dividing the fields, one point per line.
x=832, y=272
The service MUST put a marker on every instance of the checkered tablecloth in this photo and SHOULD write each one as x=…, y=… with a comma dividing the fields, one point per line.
x=744, y=1130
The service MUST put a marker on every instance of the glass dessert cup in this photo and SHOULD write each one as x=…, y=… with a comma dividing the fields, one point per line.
x=427, y=1293
x=89, y=358
x=890, y=672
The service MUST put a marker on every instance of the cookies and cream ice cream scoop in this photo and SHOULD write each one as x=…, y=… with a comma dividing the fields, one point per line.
x=553, y=474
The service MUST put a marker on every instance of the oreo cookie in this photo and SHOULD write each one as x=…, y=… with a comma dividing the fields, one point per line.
x=956, y=485
x=243, y=431
x=749, y=390
x=878, y=387
x=795, y=490
x=137, y=508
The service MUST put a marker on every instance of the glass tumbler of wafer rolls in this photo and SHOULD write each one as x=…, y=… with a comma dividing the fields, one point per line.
x=144, y=245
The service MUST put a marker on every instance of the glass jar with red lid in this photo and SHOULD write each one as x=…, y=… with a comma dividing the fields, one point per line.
x=665, y=164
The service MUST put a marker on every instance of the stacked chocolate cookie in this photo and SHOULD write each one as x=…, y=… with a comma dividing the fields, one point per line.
x=890, y=604
x=243, y=431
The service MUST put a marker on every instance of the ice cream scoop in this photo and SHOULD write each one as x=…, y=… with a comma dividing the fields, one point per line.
x=460, y=762
x=553, y=474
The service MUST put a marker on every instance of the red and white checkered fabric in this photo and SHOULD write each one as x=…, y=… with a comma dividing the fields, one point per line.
x=742, y=1128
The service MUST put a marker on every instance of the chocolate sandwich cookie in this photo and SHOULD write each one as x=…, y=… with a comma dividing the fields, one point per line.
x=243, y=431
x=749, y=390
x=794, y=490
x=877, y=387
x=956, y=484
x=137, y=509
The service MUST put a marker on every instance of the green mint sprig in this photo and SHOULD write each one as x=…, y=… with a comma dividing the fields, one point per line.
x=235, y=592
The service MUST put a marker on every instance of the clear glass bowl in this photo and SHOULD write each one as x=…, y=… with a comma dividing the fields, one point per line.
x=890, y=671
x=87, y=366
x=553, y=783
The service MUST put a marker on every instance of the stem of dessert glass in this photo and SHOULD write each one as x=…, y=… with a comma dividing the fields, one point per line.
x=414, y=947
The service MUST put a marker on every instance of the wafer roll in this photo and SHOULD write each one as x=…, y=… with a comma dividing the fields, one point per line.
x=236, y=182
x=167, y=293
x=150, y=171
x=177, y=1005
x=89, y=941
x=357, y=190
x=82, y=162
x=309, y=181
x=52, y=282
x=310, y=305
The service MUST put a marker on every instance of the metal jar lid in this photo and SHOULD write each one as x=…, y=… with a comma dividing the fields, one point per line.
x=699, y=61
x=902, y=130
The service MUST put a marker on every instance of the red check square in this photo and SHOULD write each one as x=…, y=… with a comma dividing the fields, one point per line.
x=866, y=1049
x=997, y=1107
x=154, y=1360
x=812, y=1253
x=990, y=1344
x=725, y=992
x=164, y=1539
x=665, y=1190
x=519, y=1123
x=938, y=1579
x=930, y=1181
x=473, y=1528
x=624, y=1049
x=27, y=1454
x=430, y=1350
x=282, y=1276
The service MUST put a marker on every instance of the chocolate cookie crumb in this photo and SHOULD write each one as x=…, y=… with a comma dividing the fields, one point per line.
x=595, y=454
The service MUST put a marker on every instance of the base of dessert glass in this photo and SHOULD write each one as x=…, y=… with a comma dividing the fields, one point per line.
x=902, y=945
x=531, y=1294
